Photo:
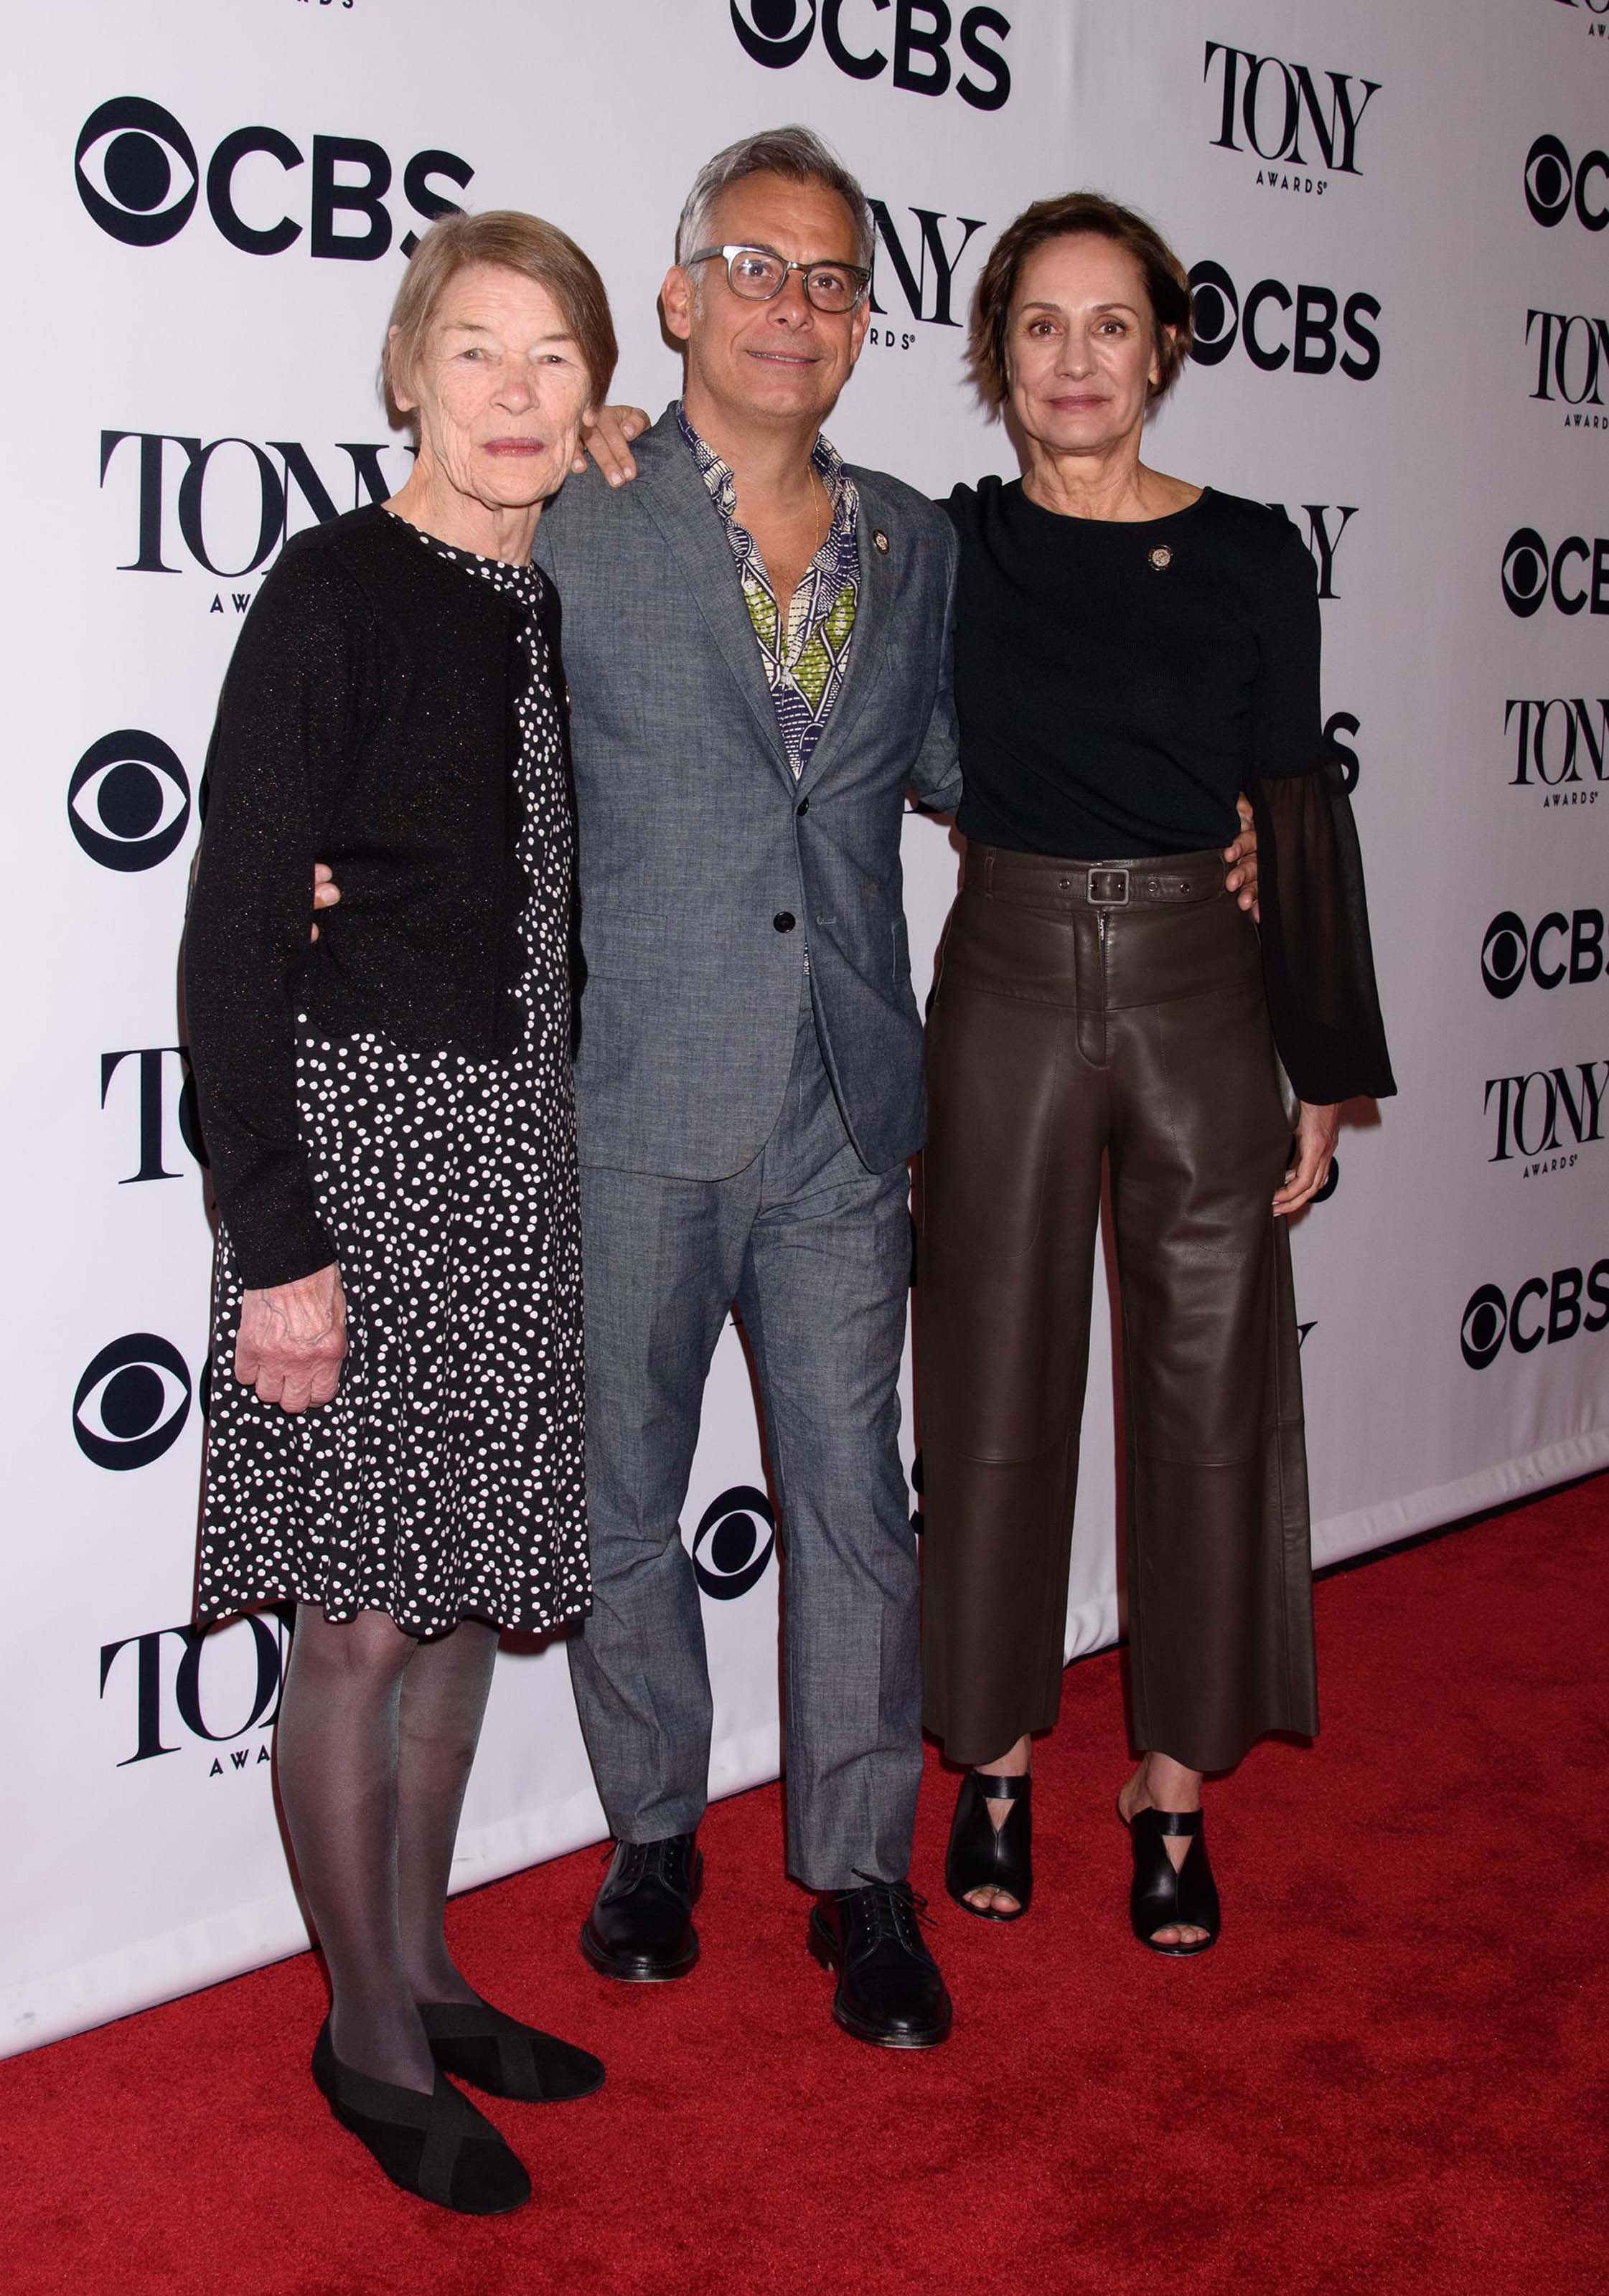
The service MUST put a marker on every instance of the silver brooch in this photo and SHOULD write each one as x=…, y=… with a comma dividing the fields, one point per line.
x=880, y=540
x=1161, y=557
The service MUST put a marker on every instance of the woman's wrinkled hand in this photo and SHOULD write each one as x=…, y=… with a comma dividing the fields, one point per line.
x=607, y=436
x=1316, y=1131
x=1242, y=858
x=294, y=1339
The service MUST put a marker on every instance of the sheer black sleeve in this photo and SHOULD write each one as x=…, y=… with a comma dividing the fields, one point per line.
x=1319, y=966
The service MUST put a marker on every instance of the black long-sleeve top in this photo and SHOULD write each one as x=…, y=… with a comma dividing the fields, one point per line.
x=368, y=720
x=1118, y=684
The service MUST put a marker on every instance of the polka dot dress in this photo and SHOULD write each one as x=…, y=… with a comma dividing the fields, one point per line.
x=446, y=1480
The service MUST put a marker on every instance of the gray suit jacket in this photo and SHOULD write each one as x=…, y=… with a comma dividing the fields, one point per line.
x=695, y=838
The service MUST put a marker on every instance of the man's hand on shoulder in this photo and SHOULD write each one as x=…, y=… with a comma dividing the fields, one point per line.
x=607, y=436
x=1241, y=877
x=326, y=892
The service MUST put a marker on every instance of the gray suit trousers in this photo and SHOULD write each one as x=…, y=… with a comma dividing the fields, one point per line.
x=815, y=1251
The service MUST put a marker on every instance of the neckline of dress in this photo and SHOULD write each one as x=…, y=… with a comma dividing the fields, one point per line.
x=454, y=551
x=1109, y=525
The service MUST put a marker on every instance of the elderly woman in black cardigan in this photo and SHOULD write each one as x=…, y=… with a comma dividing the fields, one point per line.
x=389, y=1118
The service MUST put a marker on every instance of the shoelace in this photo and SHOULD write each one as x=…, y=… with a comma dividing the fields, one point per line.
x=894, y=1910
x=676, y=1861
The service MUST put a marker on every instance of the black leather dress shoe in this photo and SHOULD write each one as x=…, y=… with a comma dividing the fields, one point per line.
x=641, y=1927
x=890, y=1991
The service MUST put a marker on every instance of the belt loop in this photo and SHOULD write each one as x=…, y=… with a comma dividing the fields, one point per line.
x=989, y=872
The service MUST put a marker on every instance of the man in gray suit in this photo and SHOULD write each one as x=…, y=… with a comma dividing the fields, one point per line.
x=755, y=637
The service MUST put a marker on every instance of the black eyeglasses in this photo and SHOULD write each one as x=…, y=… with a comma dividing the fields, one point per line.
x=758, y=276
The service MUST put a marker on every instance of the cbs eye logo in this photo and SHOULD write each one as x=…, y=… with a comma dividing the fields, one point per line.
x=730, y=1548
x=1525, y=572
x=767, y=30
x=1215, y=313
x=129, y=800
x=1503, y=954
x=1554, y=184
x=127, y=178
x=131, y=1403
x=1484, y=1328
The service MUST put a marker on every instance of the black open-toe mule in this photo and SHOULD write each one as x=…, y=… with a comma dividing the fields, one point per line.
x=497, y=2053
x=438, y=2147
x=1161, y=1899
x=984, y=1856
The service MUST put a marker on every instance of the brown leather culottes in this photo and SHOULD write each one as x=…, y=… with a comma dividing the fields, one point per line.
x=1082, y=1012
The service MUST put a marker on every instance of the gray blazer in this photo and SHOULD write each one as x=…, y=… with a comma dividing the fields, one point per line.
x=697, y=842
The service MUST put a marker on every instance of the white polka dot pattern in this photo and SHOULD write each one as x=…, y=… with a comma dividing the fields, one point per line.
x=446, y=1480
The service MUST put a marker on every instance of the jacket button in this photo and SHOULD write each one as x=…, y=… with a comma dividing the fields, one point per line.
x=784, y=921
x=804, y=806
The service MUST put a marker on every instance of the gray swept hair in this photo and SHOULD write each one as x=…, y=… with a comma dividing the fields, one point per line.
x=795, y=153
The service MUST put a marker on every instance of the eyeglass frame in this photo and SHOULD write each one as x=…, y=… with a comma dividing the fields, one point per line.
x=859, y=272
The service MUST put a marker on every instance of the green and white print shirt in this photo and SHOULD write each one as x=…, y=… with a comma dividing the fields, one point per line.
x=805, y=661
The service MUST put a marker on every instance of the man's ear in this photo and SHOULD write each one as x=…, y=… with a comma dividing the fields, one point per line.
x=676, y=301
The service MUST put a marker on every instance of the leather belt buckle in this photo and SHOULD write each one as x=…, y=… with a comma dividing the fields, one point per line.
x=1108, y=888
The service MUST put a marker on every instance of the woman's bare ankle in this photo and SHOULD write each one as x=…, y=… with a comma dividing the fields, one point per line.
x=1168, y=1786
x=1015, y=1763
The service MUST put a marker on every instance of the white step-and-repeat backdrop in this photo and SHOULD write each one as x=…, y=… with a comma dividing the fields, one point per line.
x=1394, y=216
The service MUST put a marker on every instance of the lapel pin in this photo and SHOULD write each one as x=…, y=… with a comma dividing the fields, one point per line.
x=1161, y=557
x=880, y=540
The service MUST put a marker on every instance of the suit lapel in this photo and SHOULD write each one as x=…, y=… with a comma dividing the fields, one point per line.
x=880, y=578
x=673, y=492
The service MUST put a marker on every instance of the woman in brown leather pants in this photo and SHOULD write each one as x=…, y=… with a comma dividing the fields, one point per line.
x=1131, y=652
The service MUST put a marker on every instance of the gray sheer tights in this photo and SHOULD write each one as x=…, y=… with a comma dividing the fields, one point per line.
x=377, y=1730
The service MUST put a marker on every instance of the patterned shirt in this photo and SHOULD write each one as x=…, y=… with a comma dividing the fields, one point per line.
x=804, y=660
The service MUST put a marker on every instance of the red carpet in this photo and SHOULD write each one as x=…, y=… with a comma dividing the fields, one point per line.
x=1390, y=2074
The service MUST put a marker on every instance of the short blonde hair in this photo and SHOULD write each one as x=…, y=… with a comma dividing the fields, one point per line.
x=517, y=242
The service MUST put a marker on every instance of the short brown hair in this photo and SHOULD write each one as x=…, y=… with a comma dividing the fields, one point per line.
x=518, y=242
x=1167, y=286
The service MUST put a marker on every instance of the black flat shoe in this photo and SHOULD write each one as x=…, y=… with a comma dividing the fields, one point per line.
x=438, y=2147
x=984, y=1856
x=497, y=2053
x=1161, y=1899
x=640, y=1928
x=890, y=1992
